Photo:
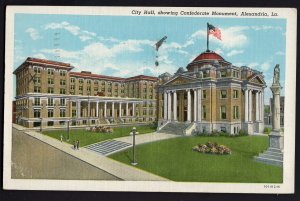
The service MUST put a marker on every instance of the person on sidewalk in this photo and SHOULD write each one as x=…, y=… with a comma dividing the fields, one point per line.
x=77, y=144
x=61, y=138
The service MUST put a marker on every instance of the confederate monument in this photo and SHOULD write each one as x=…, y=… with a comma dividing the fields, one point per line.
x=274, y=154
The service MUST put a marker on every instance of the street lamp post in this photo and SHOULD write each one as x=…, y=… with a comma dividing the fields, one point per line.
x=133, y=133
x=68, y=130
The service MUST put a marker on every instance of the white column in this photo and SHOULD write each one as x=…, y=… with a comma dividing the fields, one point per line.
x=246, y=105
x=195, y=105
x=104, y=109
x=189, y=105
x=133, y=112
x=97, y=109
x=126, y=109
x=262, y=106
x=175, y=105
x=112, y=109
x=199, y=105
x=120, y=109
x=78, y=109
x=89, y=109
x=257, y=111
x=250, y=105
x=169, y=105
x=165, y=105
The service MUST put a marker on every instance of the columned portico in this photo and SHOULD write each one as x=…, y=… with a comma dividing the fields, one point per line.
x=199, y=97
x=169, y=105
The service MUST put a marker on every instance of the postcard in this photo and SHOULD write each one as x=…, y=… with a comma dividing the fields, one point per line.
x=153, y=99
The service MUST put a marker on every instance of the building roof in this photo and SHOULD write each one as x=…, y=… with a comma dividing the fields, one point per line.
x=208, y=55
x=54, y=64
x=95, y=76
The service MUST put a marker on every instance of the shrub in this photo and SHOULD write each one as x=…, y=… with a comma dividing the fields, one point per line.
x=243, y=133
x=267, y=130
x=212, y=148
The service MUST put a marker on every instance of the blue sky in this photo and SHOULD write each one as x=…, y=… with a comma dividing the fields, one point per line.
x=124, y=45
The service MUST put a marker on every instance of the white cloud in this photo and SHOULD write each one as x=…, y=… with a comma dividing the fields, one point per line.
x=234, y=52
x=265, y=66
x=34, y=34
x=40, y=56
x=280, y=53
x=83, y=35
x=265, y=27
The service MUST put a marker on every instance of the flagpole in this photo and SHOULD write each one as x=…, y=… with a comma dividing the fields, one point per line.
x=207, y=40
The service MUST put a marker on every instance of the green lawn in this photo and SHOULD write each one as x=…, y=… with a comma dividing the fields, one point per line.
x=87, y=137
x=175, y=160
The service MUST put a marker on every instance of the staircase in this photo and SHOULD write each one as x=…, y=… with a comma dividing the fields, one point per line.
x=177, y=128
x=272, y=156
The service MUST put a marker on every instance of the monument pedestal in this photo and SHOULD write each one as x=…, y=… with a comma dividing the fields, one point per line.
x=273, y=155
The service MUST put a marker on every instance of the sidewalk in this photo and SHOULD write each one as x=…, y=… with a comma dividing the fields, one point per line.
x=146, y=138
x=120, y=170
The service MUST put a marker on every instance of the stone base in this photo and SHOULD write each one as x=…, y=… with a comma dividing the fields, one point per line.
x=272, y=156
x=248, y=127
x=259, y=126
x=276, y=140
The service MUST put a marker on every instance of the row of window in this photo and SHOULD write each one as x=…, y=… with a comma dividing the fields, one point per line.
x=223, y=113
x=50, y=71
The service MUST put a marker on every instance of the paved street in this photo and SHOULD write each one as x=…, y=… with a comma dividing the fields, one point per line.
x=33, y=159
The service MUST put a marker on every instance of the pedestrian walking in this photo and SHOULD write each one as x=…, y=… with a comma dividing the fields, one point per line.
x=75, y=145
x=61, y=138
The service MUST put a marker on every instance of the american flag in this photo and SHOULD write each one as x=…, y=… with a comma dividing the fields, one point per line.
x=215, y=31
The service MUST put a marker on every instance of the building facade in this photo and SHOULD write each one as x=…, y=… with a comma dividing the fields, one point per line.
x=212, y=94
x=49, y=93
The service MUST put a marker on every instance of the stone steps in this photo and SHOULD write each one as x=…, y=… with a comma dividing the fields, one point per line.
x=108, y=147
x=271, y=156
x=174, y=128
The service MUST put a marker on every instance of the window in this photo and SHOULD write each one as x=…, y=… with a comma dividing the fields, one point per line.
x=88, y=82
x=62, y=82
x=50, y=123
x=88, y=88
x=116, y=90
x=73, y=113
x=73, y=87
x=62, y=113
x=235, y=93
x=37, y=80
x=235, y=112
x=50, y=81
x=50, y=90
x=37, y=101
x=103, y=83
x=80, y=88
x=50, y=71
x=72, y=80
x=109, y=89
x=236, y=74
x=150, y=96
x=50, y=113
x=205, y=74
x=50, y=101
x=145, y=90
x=204, y=94
x=109, y=84
x=62, y=91
x=37, y=89
x=223, y=94
x=73, y=104
x=37, y=70
x=223, y=73
x=80, y=81
x=95, y=88
x=223, y=112
x=62, y=73
x=204, y=112
x=37, y=113
x=102, y=89
x=62, y=101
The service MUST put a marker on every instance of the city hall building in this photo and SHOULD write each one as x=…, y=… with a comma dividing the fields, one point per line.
x=49, y=93
x=212, y=94
x=209, y=95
